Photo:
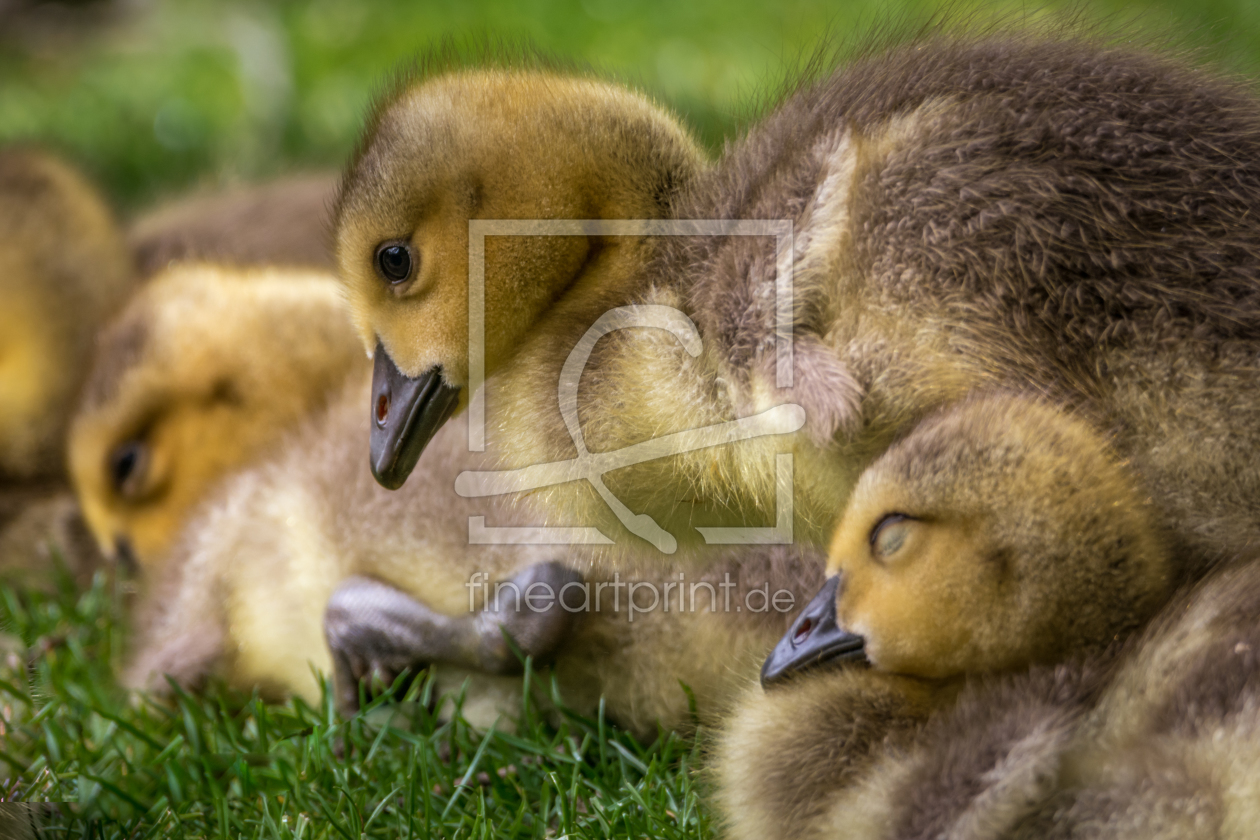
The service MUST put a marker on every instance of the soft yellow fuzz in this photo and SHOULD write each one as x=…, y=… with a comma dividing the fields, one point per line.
x=491, y=144
x=30, y=382
x=784, y=758
x=1010, y=508
x=204, y=370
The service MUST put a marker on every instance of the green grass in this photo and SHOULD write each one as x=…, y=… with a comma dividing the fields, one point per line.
x=224, y=765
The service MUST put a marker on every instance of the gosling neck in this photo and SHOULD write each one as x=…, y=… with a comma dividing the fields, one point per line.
x=612, y=275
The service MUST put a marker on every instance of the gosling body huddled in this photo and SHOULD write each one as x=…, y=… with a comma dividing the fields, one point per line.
x=1014, y=386
x=965, y=214
x=1001, y=539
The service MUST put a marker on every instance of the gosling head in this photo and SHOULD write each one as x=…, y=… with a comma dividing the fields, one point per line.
x=484, y=144
x=204, y=368
x=1000, y=533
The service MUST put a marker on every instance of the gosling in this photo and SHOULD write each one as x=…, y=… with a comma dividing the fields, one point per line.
x=1001, y=538
x=967, y=214
x=202, y=373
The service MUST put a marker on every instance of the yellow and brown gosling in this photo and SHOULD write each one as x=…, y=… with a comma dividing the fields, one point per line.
x=1000, y=538
x=206, y=368
x=1007, y=210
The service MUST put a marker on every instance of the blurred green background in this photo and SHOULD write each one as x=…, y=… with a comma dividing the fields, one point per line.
x=156, y=96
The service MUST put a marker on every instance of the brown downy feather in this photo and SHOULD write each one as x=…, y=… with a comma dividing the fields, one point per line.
x=282, y=222
x=1172, y=749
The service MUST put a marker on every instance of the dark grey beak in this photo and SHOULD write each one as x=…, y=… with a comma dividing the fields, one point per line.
x=406, y=413
x=814, y=638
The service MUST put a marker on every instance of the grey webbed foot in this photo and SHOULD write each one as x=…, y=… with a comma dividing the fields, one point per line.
x=536, y=624
x=375, y=631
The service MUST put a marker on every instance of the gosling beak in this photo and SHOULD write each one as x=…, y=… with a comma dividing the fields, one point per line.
x=406, y=413
x=814, y=638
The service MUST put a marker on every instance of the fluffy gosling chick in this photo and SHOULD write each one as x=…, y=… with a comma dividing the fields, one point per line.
x=1008, y=211
x=520, y=144
x=64, y=269
x=205, y=368
x=1000, y=534
x=304, y=561
x=1163, y=741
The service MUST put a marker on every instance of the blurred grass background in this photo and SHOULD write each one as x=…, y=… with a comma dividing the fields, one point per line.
x=156, y=96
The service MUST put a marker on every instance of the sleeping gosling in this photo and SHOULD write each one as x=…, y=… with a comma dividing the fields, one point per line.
x=204, y=371
x=1003, y=534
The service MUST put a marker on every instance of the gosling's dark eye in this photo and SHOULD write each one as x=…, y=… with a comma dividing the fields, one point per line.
x=394, y=262
x=127, y=464
x=889, y=534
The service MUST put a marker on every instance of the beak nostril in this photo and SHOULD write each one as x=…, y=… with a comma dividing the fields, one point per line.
x=802, y=631
x=382, y=409
x=815, y=639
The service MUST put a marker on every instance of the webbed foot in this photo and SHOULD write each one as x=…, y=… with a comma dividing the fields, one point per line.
x=375, y=631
